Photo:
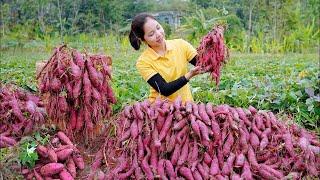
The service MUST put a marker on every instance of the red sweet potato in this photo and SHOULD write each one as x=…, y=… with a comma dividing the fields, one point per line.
x=197, y=175
x=125, y=135
x=42, y=151
x=206, y=158
x=246, y=172
x=71, y=167
x=177, y=103
x=204, y=130
x=78, y=58
x=169, y=169
x=127, y=174
x=93, y=74
x=134, y=129
x=180, y=124
x=243, y=140
x=252, y=110
x=121, y=164
x=172, y=142
x=75, y=70
x=145, y=166
x=272, y=171
x=140, y=148
x=8, y=140
x=228, y=144
x=175, y=154
x=166, y=126
x=52, y=155
x=203, y=114
x=227, y=168
x=153, y=156
x=252, y=158
x=73, y=119
x=216, y=132
x=137, y=109
x=214, y=168
x=184, y=153
x=160, y=121
x=51, y=169
x=62, y=136
x=209, y=110
x=194, y=125
x=62, y=147
x=65, y=175
x=254, y=140
x=186, y=172
x=264, y=142
x=64, y=154
x=182, y=134
x=195, y=110
x=288, y=143
x=138, y=173
x=189, y=107
x=127, y=111
x=193, y=156
x=160, y=168
x=202, y=170
x=240, y=159
x=78, y=160
x=37, y=175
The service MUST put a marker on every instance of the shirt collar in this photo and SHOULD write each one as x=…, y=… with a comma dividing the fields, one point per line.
x=154, y=55
x=169, y=46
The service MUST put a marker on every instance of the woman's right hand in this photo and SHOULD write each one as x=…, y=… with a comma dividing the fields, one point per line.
x=193, y=72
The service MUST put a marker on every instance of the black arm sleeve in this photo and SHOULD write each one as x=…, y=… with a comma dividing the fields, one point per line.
x=166, y=89
x=193, y=61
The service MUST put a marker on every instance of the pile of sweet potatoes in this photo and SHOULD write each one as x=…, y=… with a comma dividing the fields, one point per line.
x=77, y=90
x=201, y=141
x=20, y=113
x=58, y=159
x=212, y=52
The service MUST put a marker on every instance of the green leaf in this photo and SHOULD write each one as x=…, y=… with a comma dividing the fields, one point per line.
x=292, y=96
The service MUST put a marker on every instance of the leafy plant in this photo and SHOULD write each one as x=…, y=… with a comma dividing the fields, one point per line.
x=198, y=25
x=42, y=140
x=27, y=149
x=28, y=154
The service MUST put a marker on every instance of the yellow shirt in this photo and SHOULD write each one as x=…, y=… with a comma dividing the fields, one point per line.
x=171, y=66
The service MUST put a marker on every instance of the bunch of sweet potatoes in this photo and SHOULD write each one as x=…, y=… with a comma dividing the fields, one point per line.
x=20, y=113
x=212, y=52
x=58, y=159
x=201, y=141
x=77, y=90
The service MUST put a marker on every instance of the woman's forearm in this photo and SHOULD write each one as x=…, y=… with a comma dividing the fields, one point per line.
x=166, y=88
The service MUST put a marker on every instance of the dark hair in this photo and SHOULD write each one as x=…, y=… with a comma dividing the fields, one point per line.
x=136, y=32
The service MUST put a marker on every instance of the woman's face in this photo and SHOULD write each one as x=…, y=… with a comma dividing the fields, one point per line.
x=153, y=33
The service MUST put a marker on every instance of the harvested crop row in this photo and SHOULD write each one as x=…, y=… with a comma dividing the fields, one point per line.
x=201, y=141
x=212, y=52
x=20, y=113
x=77, y=90
x=59, y=159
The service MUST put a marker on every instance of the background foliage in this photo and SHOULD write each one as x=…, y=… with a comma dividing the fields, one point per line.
x=254, y=26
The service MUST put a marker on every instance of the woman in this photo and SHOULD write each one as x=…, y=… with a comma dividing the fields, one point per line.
x=164, y=63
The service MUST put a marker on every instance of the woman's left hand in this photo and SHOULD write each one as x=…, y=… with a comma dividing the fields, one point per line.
x=193, y=72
